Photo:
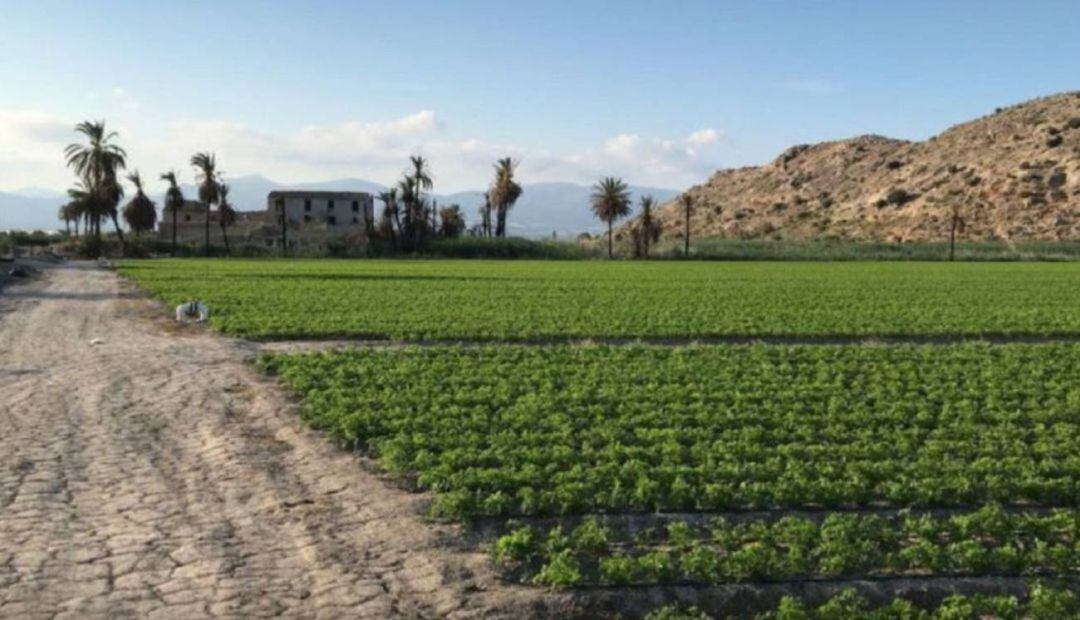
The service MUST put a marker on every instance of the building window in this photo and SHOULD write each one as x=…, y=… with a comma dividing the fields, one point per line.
x=356, y=206
x=356, y=220
x=329, y=205
x=307, y=218
x=187, y=218
x=331, y=220
x=280, y=204
x=307, y=205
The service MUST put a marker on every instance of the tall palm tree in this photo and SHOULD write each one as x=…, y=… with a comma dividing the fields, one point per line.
x=648, y=230
x=413, y=202
x=610, y=201
x=140, y=212
x=687, y=202
x=98, y=164
x=485, y=215
x=226, y=214
x=421, y=176
x=391, y=215
x=504, y=192
x=174, y=201
x=206, y=164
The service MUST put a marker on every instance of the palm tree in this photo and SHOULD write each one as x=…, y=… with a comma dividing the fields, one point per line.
x=421, y=177
x=140, y=212
x=485, y=215
x=174, y=201
x=206, y=164
x=453, y=221
x=648, y=230
x=70, y=212
x=415, y=219
x=62, y=214
x=391, y=215
x=687, y=202
x=226, y=214
x=610, y=201
x=98, y=163
x=79, y=206
x=504, y=192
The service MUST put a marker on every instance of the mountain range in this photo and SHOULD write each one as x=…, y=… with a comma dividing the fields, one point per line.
x=1013, y=174
x=544, y=208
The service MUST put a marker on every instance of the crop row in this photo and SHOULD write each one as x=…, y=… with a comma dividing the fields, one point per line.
x=510, y=300
x=989, y=541
x=1043, y=603
x=577, y=430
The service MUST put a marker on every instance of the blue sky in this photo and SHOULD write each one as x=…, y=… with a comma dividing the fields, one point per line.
x=658, y=92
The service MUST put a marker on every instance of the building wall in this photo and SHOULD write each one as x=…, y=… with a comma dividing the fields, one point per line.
x=312, y=221
x=341, y=212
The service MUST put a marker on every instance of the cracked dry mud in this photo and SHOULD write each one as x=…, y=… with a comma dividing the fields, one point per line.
x=156, y=474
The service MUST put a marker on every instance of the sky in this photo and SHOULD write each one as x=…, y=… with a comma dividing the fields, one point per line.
x=659, y=93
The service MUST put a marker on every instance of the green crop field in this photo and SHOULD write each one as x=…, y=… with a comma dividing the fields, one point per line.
x=518, y=300
x=854, y=461
x=905, y=472
x=556, y=430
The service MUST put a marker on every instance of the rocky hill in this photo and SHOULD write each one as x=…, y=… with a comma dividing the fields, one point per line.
x=1012, y=175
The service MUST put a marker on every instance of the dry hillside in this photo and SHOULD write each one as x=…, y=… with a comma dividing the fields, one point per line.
x=1014, y=174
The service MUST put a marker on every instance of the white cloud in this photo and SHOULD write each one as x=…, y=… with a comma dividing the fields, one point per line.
x=374, y=150
x=662, y=162
x=704, y=136
x=30, y=140
x=122, y=98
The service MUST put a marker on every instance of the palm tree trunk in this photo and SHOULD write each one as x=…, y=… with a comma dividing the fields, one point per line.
x=609, y=252
x=686, y=236
x=76, y=228
x=174, y=215
x=207, y=249
x=119, y=233
x=225, y=236
x=400, y=233
x=500, y=229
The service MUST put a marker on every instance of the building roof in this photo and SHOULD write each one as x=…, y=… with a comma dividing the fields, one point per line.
x=189, y=205
x=300, y=193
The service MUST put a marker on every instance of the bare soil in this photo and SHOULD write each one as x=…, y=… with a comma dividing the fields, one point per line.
x=156, y=474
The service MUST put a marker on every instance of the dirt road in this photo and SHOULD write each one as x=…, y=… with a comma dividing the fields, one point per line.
x=156, y=474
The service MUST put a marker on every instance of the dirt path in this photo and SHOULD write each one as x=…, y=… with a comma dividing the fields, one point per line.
x=157, y=475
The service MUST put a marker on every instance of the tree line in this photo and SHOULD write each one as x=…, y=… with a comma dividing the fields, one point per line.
x=99, y=162
x=410, y=217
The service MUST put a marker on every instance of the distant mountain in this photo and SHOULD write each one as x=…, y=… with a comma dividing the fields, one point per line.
x=39, y=192
x=1011, y=175
x=21, y=212
x=544, y=208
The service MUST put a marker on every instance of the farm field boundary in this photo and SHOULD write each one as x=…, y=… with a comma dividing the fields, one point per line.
x=305, y=345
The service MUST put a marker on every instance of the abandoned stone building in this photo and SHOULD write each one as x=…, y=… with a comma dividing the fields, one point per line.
x=312, y=219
